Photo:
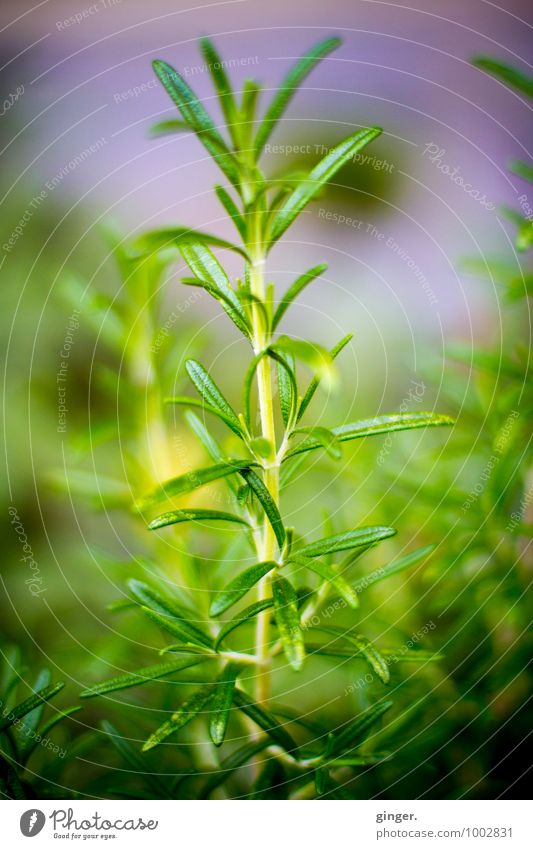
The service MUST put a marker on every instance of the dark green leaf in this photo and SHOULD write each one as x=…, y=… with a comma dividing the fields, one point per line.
x=264, y=720
x=232, y=763
x=221, y=704
x=348, y=540
x=229, y=205
x=372, y=655
x=288, y=621
x=194, y=480
x=141, y=676
x=375, y=426
x=223, y=88
x=239, y=586
x=286, y=388
x=181, y=628
x=47, y=727
x=294, y=290
x=206, y=267
x=197, y=118
x=267, y=502
x=30, y=722
x=242, y=618
x=506, y=73
x=356, y=731
x=237, y=315
x=321, y=173
x=148, y=597
x=136, y=761
x=288, y=87
x=188, y=710
x=195, y=515
x=44, y=695
x=165, y=128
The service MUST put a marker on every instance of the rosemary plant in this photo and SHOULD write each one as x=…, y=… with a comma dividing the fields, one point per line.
x=281, y=592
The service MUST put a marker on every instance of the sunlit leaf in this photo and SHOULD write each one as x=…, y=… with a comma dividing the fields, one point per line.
x=175, y=517
x=241, y=619
x=294, y=290
x=185, y=713
x=288, y=621
x=239, y=586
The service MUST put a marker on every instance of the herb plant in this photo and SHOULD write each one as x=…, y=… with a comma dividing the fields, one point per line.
x=264, y=620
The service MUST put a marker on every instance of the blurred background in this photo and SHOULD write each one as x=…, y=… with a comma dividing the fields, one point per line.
x=78, y=163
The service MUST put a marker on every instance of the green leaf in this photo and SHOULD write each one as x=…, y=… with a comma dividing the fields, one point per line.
x=288, y=87
x=288, y=621
x=262, y=447
x=148, y=597
x=242, y=618
x=522, y=169
x=194, y=480
x=195, y=515
x=294, y=290
x=392, y=568
x=206, y=438
x=321, y=173
x=264, y=720
x=30, y=722
x=328, y=573
x=221, y=704
x=10, y=784
x=345, y=541
x=267, y=502
x=506, y=73
x=326, y=437
x=375, y=426
x=310, y=353
x=188, y=710
x=231, y=208
x=36, y=700
x=222, y=85
x=313, y=386
x=197, y=118
x=356, y=732
x=179, y=627
x=155, y=240
x=204, y=264
x=135, y=760
x=372, y=655
x=237, y=316
x=47, y=727
x=165, y=128
x=186, y=401
x=239, y=586
x=286, y=388
x=141, y=676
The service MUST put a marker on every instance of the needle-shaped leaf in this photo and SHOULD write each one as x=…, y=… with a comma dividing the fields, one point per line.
x=175, y=517
x=155, y=240
x=374, y=427
x=241, y=618
x=239, y=586
x=188, y=710
x=294, y=290
x=287, y=387
x=313, y=355
x=222, y=702
x=141, y=676
x=231, y=208
x=205, y=437
x=148, y=597
x=356, y=731
x=313, y=386
x=214, y=62
x=506, y=73
x=326, y=437
x=288, y=621
x=522, y=169
x=264, y=720
x=198, y=119
x=194, y=480
x=186, y=401
x=204, y=264
x=136, y=760
x=329, y=573
x=372, y=655
x=237, y=315
x=165, y=128
x=345, y=541
x=30, y=722
x=28, y=705
x=45, y=729
x=179, y=627
x=392, y=568
x=321, y=173
x=233, y=762
x=267, y=503
x=288, y=88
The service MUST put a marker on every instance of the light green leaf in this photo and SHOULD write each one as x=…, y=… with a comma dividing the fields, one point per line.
x=231, y=208
x=148, y=597
x=194, y=480
x=204, y=264
x=237, y=316
x=141, y=676
x=321, y=173
x=264, y=720
x=313, y=355
x=372, y=655
x=313, y=386
x=180, y=628
x=522, y=169
x=286, y=388
x=288, y=87
x=198, y=119
x=186, y=401
x=215, y=65
x=294, y=290
x=345, y=541
x=326, y=437
x=288, y=621
x=188, y=710
x=194, y=515
x=242, y=618
x=221, y=704
x=155, y=240
x=375, y=426
x=165, y=128
x=392, y=568
x=329, y=573
x=239, y=586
